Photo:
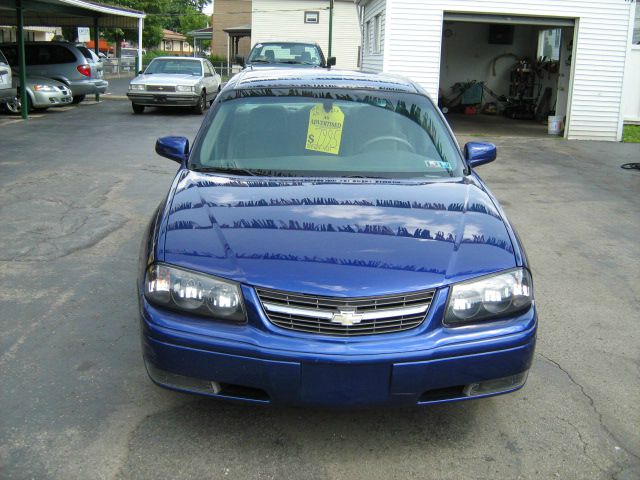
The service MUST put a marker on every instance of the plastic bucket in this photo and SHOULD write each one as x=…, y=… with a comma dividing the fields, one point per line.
x=555, y=125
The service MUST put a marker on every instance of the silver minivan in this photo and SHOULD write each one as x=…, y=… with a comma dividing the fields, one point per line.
x=61, y=61
x=7, y=92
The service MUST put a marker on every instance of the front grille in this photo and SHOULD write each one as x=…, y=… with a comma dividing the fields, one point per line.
x=345, y=316
x=161, y=88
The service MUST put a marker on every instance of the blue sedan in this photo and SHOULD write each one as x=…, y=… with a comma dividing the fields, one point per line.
x=325, y=242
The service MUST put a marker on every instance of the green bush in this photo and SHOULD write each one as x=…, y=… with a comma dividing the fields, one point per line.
x=217, y=59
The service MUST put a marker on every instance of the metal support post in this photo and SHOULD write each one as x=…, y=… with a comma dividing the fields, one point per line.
x=22, y=64
x=96, y=46
x=330, y=27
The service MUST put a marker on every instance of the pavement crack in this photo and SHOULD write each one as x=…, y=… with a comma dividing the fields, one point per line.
x=592, y=404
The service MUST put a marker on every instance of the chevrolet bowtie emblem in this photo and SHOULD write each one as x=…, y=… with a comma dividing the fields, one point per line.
x=346, y=317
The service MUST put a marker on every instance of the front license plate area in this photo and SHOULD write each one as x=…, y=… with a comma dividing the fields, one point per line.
x=343, y=385
x=160, y=98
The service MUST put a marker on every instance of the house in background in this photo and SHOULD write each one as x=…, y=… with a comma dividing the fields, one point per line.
x=308, y=21
x=31, y=34
x=231, y=24
x=175, y=43
x=586, y=46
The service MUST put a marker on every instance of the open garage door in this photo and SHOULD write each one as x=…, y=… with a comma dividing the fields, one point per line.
x=506, y=75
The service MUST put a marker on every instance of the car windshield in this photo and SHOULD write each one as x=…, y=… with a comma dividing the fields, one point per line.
x=174, y=66
x=292, y=53
x=327, y=133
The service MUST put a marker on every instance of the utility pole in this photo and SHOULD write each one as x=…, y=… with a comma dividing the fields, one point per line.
x=330, y=26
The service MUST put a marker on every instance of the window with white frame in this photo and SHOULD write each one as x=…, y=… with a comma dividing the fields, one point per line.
x=367, y=37
x=377, y=34
x=549, y=44
x=311, y=17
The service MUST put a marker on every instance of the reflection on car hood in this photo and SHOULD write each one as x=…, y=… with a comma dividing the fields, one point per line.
x=166, y=79
x=335, y=237
x=265, y=66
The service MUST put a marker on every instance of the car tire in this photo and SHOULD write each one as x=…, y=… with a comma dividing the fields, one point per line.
x=137, y=108
x=202, y=104
x=14, y=106
x=77, y=99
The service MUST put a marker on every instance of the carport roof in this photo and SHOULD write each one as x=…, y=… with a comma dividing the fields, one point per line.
x=69, y=13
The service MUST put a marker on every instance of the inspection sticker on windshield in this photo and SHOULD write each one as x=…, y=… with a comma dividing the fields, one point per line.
x=325, y=129
x=437, y=164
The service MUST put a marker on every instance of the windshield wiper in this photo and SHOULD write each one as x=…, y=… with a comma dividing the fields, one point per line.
x=364, y=176
x=230, y=171
x=258, y=60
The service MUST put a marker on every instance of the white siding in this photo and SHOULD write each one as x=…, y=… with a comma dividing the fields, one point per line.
x=284, y=20
x=631, y=103
x=372, y=62
x=414, y=37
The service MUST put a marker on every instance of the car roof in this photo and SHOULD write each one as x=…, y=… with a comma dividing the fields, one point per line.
x=175, y=57
x=293, y=42
x=320, y=78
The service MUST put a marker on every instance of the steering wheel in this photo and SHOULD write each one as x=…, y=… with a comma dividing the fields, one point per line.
x=388, y=138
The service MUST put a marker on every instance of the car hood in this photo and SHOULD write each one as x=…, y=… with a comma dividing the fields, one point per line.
x=345, y=238
x=166, y=79
x=271, y=66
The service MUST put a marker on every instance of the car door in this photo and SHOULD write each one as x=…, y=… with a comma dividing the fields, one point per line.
x=6, y=89
x=211, y=84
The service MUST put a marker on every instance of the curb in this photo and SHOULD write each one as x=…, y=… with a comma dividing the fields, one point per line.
x=113, y=97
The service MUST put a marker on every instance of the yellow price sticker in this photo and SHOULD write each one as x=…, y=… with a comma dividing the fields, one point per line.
x=325, y=129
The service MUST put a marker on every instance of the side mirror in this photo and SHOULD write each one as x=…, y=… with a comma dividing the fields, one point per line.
x=173, y=148
x=140, y=72
x=479, y=153
x=240, y=61
x=331, y=62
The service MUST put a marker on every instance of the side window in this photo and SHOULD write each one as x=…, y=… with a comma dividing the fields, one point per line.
x=208, y=69
x=12, y=55
x=62, y=55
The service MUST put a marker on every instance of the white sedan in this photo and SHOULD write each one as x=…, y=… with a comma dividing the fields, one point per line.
x=175, y=82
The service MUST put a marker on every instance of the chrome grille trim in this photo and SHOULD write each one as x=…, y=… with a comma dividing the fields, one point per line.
x=161, y=88
x=345, y=316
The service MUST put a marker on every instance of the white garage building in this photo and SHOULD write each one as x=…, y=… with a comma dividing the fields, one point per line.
x=308, y=21
x=443, y=44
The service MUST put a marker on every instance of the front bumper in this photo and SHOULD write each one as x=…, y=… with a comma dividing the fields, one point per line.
x=51, y=99
x=164, y=99
x=260, y=363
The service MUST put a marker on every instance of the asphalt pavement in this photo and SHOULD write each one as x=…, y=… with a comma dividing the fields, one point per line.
x=118, y=86
x=77, y=188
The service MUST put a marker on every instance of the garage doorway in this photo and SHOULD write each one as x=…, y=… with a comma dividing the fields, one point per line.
x=505, y=76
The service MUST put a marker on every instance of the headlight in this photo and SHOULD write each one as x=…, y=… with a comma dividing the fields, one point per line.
x=137, y=86
x=184, y=88
x=44, y=88
x=191, y=292
x=489, y=298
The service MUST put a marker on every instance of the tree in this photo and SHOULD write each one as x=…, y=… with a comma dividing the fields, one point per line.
x=179, y=15
x=192, y=20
